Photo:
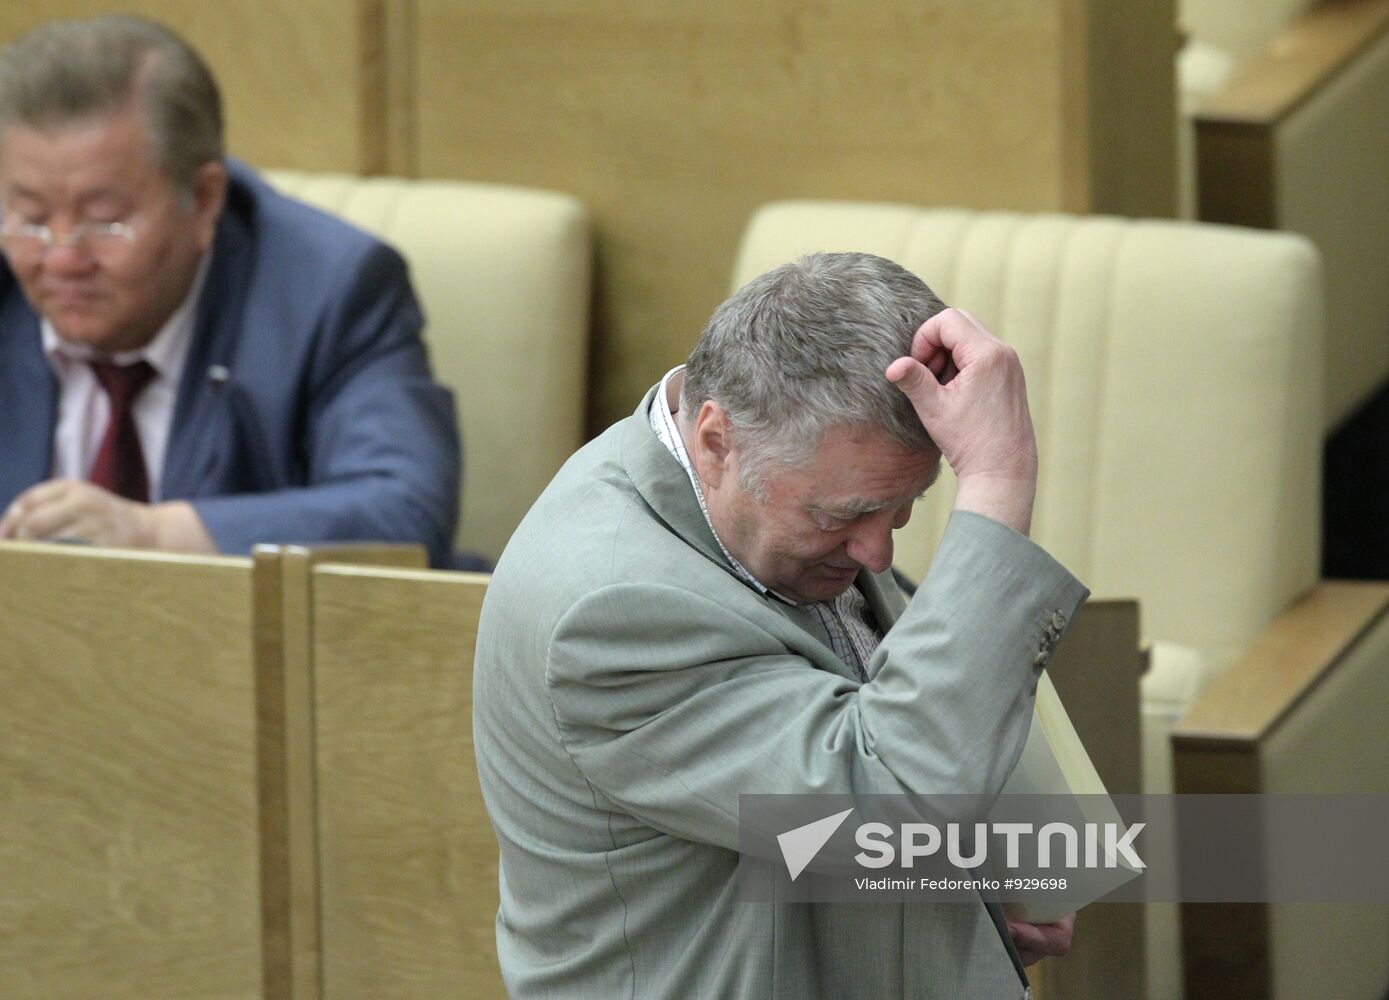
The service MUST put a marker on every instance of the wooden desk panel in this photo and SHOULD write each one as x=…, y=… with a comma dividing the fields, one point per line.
x=128, y=806
x=407, y=862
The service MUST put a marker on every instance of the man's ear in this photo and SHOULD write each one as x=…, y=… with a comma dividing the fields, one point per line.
x=209, y=194
x=711, y=447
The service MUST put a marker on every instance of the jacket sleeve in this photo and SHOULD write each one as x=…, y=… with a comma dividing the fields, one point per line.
x=672, y=708
x=378, y=439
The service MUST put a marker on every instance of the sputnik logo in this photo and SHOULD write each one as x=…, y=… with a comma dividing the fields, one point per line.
x=799, y=846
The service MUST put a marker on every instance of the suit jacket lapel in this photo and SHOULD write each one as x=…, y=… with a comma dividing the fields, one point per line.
x=28, y=396
x=201, y=433
x=665, y=487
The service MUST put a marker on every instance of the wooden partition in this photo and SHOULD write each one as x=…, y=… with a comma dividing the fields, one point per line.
x=157, y=773
x=1306, y=711
x=1097, y=672
x=129, y=819
x=403, y=879
x=288, y=779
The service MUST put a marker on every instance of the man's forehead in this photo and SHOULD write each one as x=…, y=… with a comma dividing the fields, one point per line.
x=859, y=472
x=877, y=447
x=894, y=490
x=125, y=125
x=91, y=154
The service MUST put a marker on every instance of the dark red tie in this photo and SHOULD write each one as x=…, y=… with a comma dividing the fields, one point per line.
x=120, y=462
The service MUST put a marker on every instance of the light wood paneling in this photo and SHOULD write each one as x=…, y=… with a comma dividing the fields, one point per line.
x=407, y=861
x=1331, y=159
x=673, y=121
x=301, y=79
x=1335, y=741
x=400, y=71
x=129, y=861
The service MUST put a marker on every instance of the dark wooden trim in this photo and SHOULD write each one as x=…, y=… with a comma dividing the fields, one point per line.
x=277, y=946
x=1226, y=945
x=373, y=98
x=1236, y=174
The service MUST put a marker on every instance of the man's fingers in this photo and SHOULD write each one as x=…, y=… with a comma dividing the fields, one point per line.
x=948, y=341
x=46, y=492
x=904, y=374
x=17, y=522
x=913, y=378
x=945, y=331
x=56, y=508
x=1041, y=940
x=49, y=518
x=928, y=352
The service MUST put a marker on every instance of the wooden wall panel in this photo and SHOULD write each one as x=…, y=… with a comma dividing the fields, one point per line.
x=673, y=121
x=1122, y=109
x=301, y=79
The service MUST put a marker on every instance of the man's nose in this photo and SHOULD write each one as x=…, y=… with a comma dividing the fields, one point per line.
x=68, y=258
x=871, y=544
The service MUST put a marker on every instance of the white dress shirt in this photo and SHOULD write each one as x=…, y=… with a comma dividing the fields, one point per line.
x=84, y=408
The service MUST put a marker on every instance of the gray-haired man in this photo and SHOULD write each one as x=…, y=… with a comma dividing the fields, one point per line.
x=698, y=608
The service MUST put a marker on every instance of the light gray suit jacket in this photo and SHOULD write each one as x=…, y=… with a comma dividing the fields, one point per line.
x=629, y=686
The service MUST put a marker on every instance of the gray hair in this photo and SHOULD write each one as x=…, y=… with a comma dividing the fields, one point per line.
x=802, y=349
x=67, y=71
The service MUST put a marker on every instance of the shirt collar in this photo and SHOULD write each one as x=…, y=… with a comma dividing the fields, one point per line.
x=664, y=407
x=166, y=352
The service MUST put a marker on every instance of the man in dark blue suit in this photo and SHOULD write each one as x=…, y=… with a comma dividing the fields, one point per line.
x=189, y=360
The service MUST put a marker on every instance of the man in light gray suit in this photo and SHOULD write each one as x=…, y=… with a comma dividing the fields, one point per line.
x=699, y=607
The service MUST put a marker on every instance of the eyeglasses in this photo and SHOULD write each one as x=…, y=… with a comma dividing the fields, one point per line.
x=94, y=237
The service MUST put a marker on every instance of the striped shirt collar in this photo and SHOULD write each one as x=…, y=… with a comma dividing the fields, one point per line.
x=663, y=409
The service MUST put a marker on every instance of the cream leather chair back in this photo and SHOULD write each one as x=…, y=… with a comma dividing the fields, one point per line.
x=503, y=274
x=1173, y=373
